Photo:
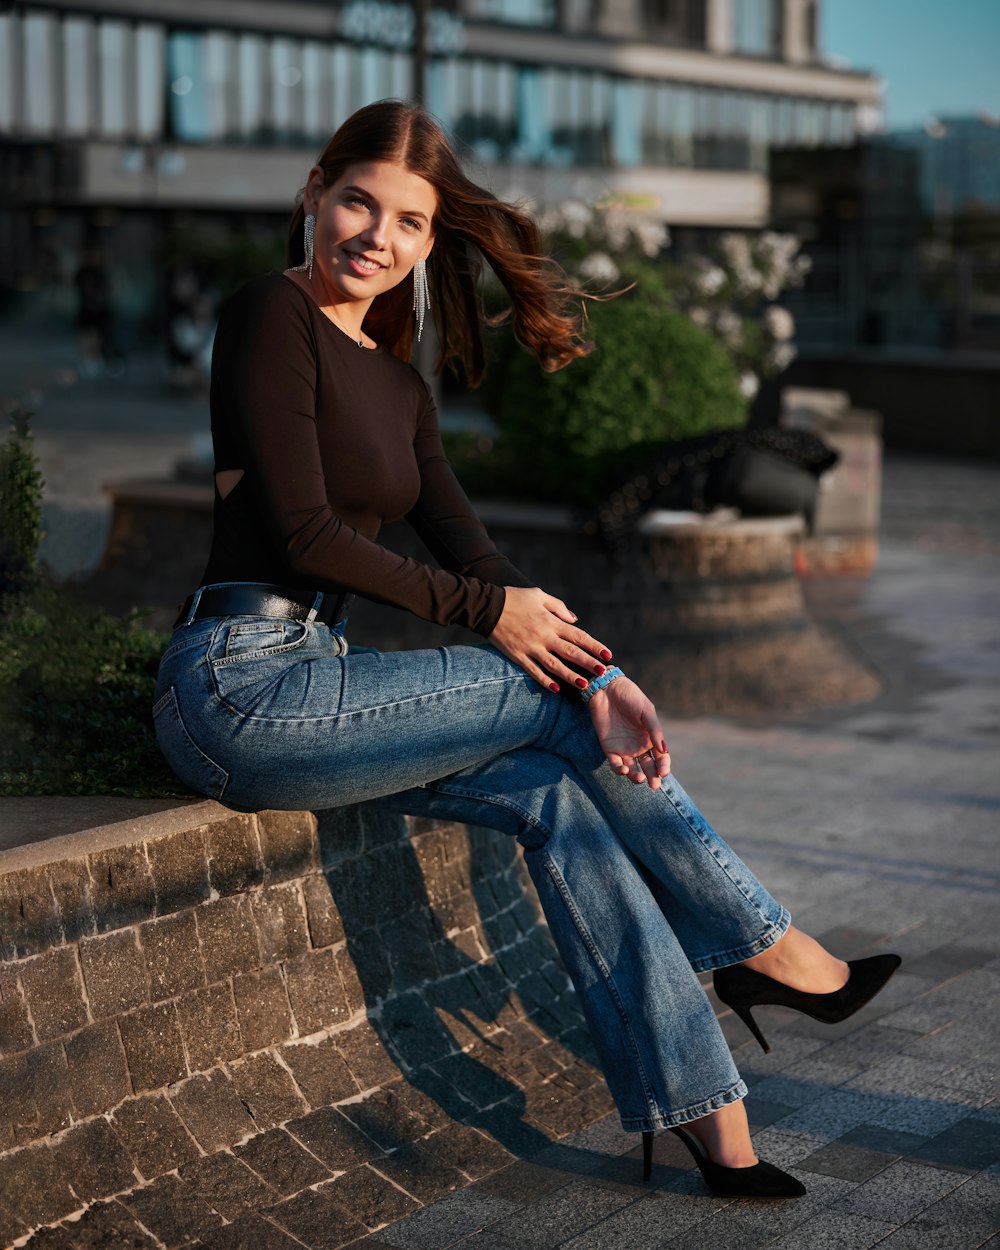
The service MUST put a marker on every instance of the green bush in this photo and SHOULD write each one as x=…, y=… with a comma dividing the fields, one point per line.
x=76, y=684
x=654, y=378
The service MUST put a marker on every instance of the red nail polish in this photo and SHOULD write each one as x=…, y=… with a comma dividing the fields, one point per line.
x=554, y=688
x=663, y=746
x=605, y=654
x=581, y=683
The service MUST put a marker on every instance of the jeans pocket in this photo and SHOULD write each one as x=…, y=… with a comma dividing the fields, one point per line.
x=182, y=753
x=258, y=639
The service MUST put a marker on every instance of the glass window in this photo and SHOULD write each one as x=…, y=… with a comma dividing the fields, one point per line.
x=150, y=85
x=626, y=122
x=340, y=75
x=113, y=51
x=286, y=86
x=78, y=75
x=756, y=26
x=39, y=72
x=252, y=98
x=218, y=67
x=9, y=29
x=187, y=99
x=517, y=12
x=317, y=90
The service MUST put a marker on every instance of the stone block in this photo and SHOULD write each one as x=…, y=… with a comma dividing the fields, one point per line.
x=463, y=1147
x=33, y=1187
x=262, y=1008
x=418, y=1035
x=369, y=1196
x=154, y=1135
x=71, y=888
x=121, y=887
x=350, y=980
x=210, y=1108
x=108, y=1225
x=54, y=992
x=54, y=1238
x=173, y=955
x=179, y=864
x=228, y=937
x=386, y=1118
x=971, y=1145
x=371, y=964
x=366, y=1056
x=283, y=1162
x=98, y=1077
x=410, y=942
x=267, y=1090
x=317, y=1221
x=333, y=1139
x=340, y=834
x=234, y=859
x=418, y=1173
x=248, y=1230
x=93, y=1159
x=35, y=1098
x=325, y=924
x=15, y=1026
x=315, y=992
x=320, y=1071
x=153, y=1046
x=289, y=844
x=171, y=1211
x=29, y=915
x=227, y=1185
x=209, y=1026
x=383, y=827
x=280, y=916
x=114, y=969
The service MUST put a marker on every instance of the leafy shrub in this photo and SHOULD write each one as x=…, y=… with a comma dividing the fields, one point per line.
x=654, y=378
x=76, y=684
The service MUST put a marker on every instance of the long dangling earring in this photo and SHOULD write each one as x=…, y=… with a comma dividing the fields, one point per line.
x=421, y=295
x=308, y=230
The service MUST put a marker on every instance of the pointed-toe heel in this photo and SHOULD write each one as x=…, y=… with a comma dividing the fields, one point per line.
x=762, y=1180
x=742, y=988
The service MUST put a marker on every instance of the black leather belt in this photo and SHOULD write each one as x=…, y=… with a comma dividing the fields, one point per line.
x=264, y=600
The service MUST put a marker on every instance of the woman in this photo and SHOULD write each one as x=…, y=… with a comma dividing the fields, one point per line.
x=323, y=432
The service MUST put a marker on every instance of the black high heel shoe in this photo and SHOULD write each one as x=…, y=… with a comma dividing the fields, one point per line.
x=762, y=1180
x=742, y=988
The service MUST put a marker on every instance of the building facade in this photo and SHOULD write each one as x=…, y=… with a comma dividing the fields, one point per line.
x=123, y=107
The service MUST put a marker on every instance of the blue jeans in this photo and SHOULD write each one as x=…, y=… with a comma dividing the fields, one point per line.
x=638, y=890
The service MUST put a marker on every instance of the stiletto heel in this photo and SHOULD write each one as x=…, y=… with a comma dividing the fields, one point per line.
x=647, y=1154
x=761, y=1180
x=742, y=988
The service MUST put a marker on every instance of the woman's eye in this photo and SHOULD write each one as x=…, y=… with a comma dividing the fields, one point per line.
x=409, y=221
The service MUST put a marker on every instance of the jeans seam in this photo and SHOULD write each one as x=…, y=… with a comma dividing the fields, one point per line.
x=602, y=967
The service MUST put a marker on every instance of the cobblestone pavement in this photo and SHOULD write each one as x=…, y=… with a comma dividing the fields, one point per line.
x=877, y=825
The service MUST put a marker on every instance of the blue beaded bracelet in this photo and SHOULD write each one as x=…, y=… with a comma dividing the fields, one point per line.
x=598, y=683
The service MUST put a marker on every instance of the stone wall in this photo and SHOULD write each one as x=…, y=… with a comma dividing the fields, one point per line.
x=227, y=1030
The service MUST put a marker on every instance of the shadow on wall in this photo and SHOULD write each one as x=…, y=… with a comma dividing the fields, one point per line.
x=463, y=985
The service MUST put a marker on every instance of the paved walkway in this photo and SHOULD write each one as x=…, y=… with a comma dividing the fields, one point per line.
x=877, y=825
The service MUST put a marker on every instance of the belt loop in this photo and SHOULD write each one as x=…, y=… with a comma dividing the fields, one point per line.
x=317, y=604
x=195, y=599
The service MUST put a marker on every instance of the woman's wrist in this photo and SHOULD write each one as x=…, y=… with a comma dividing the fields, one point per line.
x=596, y=684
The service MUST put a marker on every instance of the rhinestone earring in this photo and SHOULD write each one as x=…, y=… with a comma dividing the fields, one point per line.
x=308, y=230
x=421, y=295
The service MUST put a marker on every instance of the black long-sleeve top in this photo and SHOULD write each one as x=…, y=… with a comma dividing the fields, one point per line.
x=335, y=440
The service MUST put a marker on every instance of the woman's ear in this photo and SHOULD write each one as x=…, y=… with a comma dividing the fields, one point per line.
x=313, y=190
x=428, y=247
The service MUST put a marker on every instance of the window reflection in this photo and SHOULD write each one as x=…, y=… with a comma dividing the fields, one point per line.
x=84, y=76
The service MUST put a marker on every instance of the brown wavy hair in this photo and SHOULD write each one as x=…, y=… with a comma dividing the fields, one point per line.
x=471, y=227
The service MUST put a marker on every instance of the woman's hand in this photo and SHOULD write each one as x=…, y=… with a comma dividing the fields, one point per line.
x=537, y=631
x=629, y=733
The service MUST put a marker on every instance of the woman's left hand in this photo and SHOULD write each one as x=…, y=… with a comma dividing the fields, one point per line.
x=630, y=733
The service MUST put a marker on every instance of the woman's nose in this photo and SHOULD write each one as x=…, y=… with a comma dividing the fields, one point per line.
x=374, y=233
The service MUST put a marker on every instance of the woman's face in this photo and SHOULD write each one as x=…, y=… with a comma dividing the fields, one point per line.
x=372, y=226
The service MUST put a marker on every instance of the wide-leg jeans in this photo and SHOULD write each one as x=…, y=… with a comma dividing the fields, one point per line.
x=639, y=892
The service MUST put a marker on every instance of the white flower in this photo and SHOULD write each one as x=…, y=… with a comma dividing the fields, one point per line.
x=749, y=384
x=781, y=355
x=699, y=316
x=729, y=327
x=599, y=267
x=709, y=279
x=652, y=236
x=779, y=322
x=577, y=218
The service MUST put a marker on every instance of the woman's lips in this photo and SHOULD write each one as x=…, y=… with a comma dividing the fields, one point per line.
x=363, y=268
